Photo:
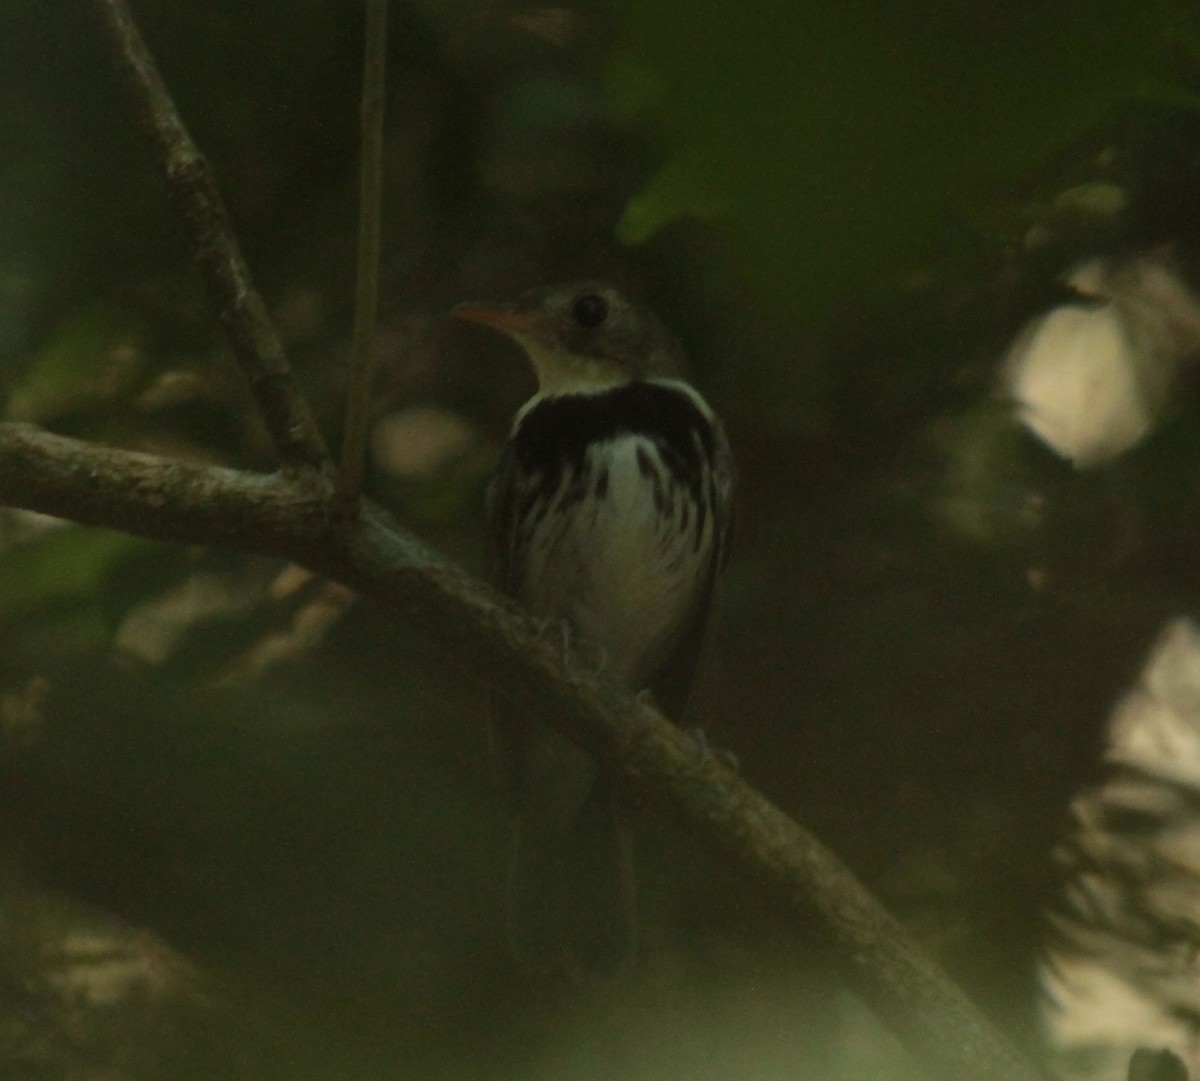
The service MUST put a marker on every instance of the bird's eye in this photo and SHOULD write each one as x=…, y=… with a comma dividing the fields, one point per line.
x=590, y=310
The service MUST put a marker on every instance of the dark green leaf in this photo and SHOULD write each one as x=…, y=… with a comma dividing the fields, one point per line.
x=829, y=136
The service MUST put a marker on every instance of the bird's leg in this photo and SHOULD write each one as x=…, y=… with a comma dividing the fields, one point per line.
x=697, y=737
x=591, y=655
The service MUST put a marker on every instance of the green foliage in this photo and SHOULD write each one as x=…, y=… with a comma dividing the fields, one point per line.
x=829, y=136
x=61, y=565
x=86, y=362
x=61, y=573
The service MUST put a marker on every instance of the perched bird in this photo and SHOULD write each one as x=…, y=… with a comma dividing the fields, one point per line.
x=611, y=514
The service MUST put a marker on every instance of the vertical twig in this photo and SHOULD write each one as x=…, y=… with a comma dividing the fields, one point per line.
x=354, y=438
x=238, y=305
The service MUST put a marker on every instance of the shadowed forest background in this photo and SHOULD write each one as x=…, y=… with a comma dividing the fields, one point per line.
x=249, y=826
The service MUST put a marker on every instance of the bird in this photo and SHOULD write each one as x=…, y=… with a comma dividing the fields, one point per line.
x=611, y=514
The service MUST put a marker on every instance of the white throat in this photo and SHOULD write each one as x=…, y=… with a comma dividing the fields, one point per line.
x=560, y=372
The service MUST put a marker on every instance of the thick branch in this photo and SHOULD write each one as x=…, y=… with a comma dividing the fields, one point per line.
x=200, y=207
x=291, y=517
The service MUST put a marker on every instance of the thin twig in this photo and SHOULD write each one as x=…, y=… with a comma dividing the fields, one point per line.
x=238, y=305
x=290, y=517
x=370, y=213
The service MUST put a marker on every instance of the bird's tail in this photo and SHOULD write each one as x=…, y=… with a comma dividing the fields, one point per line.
x=571, y=903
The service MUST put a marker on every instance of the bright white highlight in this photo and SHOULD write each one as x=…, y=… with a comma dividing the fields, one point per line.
x=1091, y=380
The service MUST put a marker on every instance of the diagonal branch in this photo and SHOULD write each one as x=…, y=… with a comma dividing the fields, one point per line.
x=291, y=517
x=198, y=203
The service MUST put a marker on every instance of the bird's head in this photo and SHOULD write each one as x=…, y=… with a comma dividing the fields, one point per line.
x=583, y=337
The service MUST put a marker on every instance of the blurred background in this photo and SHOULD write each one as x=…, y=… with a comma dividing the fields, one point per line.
x=934, y=263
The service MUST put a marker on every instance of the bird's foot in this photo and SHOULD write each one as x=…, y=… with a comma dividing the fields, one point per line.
x=706, y=751
x=574, y=650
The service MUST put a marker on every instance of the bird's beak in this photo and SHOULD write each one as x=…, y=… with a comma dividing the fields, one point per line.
x=503, y=317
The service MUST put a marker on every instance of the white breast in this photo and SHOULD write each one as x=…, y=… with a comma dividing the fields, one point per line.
x=624, y=569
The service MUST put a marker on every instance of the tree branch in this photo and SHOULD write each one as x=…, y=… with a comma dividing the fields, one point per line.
x=291, y=517
x=198, y=203
x=370, y=188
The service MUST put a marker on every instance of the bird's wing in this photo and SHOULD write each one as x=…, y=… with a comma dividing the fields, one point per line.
x=723, y=482
x=506, y=492
x=673, y=683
